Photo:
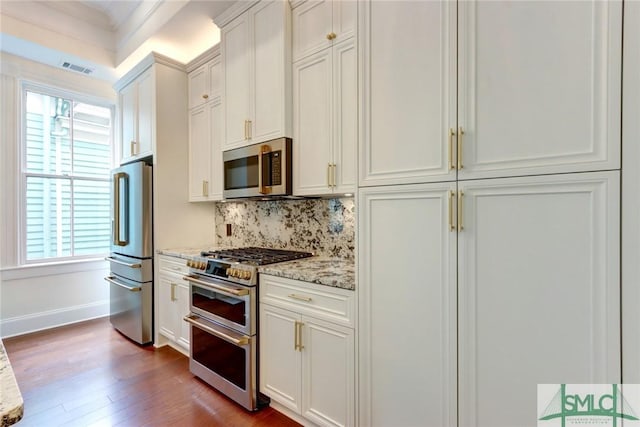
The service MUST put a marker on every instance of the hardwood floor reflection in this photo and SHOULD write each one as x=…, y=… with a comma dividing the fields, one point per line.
x=88, y=374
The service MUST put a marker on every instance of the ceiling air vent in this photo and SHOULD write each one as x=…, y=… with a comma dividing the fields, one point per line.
x=77, y=68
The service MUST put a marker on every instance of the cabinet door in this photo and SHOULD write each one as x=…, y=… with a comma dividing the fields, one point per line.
x=269, y=75
x=407, y=306
x=543, y=99
x=312, y=26
x=312, y=116
x=328, y=374
x=345, y=19
x=199, y=154
x=215, y=141
x=128, y=121
x=182, y=309
x=214, y=68
x=146, y=117
x=198, y=86
x=345, y=113
x=280, y=362
x=168, y=307
x=408, y=84
x=538, y=291
x=237, y=65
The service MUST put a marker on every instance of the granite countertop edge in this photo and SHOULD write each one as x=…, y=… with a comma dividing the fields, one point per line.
x=11, y=404
x=327, y=271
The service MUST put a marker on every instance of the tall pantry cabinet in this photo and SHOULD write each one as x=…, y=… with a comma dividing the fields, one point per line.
x=495, y=265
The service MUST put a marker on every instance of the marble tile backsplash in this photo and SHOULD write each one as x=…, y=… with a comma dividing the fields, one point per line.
x=325, y=227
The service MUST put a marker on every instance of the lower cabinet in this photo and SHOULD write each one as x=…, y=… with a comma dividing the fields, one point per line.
x=307, y=362
x=173, y=293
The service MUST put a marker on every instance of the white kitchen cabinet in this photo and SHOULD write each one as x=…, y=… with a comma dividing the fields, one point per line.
x=540, y=100
x=173, y=302
x=325, y=117
x=256, y=58
x=205, y=81
x=137, y=118
x=205, y=127
x=537, y=273
x=307, y=350
x=320, y=24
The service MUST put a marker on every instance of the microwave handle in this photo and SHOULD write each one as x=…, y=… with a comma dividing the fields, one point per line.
x=264, y=149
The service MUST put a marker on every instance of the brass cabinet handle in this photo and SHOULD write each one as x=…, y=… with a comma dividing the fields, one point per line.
x=329, y=175
x=451, y=134
x=205, y=96
x=331, y=36
x=300, y=298
x=297, y=345
x=460, y=225
x=245, y=130
x=333, y=175
x=295, y=336
x=460, y=133
x=173, y=291
x=205, y=188
x=131, y=145
x=249, y=122
x=452, y=226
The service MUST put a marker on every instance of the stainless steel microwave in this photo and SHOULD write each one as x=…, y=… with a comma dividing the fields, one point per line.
x=258, y=170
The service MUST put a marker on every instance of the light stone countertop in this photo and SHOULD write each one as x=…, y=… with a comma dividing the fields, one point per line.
x=11, y=403
x=334, y=272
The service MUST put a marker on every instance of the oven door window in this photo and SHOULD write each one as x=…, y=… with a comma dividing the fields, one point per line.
x=222, y=357
x=241, y=173
x=233, y=309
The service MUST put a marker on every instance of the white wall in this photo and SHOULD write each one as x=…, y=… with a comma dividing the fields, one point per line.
x=39, y=297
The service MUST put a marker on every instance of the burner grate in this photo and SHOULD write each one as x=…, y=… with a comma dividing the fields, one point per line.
x=256, y=255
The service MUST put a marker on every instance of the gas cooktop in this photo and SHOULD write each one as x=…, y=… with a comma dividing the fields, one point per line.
x=255, y=255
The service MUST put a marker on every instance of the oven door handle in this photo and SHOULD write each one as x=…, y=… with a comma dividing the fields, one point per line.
x=239, y=342
x=110, y=279
x=230, y=291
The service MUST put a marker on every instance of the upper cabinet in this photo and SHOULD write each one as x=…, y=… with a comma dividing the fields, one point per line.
x=321, y=24
x=325, y=98
x=205, y=127
x=256, y=73
x=137, y=118
x=542, y=100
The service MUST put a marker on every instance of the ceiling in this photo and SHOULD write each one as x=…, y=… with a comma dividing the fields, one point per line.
x=108, y=37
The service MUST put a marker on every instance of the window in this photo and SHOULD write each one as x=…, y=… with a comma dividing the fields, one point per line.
x=67, y=158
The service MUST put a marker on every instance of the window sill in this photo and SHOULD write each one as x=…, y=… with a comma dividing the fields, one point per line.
x=53, y=268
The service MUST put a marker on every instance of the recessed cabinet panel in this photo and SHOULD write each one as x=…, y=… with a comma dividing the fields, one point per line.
x=407, y=306
x=312, y=118
x=538, y=291
x=345, y=122
x=129, y=120
x=345, y=19
x=146, y=114
x=198, y=89
x=311, y=26
x=408, y=49
x=237, y=64
x=199, y=155
x=535, y=97
x=268, y=28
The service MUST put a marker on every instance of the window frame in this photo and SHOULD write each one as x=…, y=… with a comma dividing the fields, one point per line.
x=28, y=86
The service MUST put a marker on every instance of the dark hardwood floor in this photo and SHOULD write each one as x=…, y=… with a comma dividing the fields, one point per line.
x=88, y=374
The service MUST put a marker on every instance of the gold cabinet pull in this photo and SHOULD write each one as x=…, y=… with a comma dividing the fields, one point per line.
x=245, y=130
x=329, y=175
x=333, y=176
x=452, y=226
x=205, y=96
x=300, y=298
x=205, y=188
x=460, y=133
x=173, y=291
x=331, y=36
x=451, y=134
x=460, y=225
x=250, y=126
x=131, y=144
x=299, y=326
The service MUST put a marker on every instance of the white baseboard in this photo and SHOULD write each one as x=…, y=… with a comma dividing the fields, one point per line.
x=50, y=319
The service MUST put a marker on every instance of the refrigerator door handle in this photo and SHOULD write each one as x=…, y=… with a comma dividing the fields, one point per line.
x=126, y=264
x=119, y=207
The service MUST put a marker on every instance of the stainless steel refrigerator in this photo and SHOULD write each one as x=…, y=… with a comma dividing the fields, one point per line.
x=131, y=258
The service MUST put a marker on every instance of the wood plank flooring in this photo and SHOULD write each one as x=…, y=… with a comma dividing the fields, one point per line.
x=87, y=374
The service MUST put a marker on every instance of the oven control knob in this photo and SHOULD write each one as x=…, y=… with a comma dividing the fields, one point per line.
x=247, y=275
x=232, y=272
x=202, y=265
x=189, y=263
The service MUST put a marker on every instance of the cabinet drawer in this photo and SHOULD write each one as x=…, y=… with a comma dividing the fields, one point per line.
x=323, y=302
x=173, y=265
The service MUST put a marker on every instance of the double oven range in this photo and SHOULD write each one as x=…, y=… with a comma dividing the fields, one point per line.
x=223, y=288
